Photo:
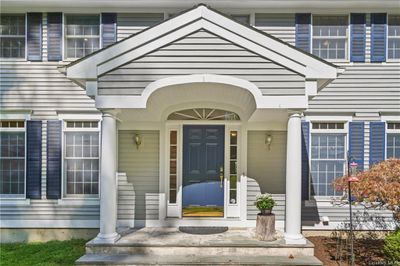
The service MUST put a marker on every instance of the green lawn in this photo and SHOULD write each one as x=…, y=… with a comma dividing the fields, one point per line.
x=49, y=253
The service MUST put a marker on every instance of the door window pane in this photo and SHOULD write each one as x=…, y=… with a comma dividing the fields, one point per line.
x=172, y=165
x=233, y=135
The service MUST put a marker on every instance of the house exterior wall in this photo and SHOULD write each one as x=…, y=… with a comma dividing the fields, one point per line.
x=40, y=89
x=142, y=170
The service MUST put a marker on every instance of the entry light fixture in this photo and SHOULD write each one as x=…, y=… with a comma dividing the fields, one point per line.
x=268, y=140
x=138, y=140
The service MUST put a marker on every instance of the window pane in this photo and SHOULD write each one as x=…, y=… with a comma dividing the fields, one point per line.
x=81, y=162
x=327, y=162
x=12, y=162
x=12, y=36
x=393, y=146
x=82, y=34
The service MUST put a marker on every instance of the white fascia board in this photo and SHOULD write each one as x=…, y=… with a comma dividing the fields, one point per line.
x=86, y=69
x=264, y=102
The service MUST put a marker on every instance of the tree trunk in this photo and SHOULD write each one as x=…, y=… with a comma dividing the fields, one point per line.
x=265, y=227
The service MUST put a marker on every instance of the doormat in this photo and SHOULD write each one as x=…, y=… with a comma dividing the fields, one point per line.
x=203, y=230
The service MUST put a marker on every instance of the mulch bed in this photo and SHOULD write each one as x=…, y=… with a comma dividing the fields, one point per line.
x=368, y=251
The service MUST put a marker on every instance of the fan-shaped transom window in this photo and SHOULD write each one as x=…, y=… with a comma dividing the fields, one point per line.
x=203, y=114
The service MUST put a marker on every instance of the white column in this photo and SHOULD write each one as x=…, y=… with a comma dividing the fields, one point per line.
x=293, y=182
x=108, y=182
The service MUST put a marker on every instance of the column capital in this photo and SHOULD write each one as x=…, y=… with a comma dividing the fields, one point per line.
x=295, y=113
x=110, y=113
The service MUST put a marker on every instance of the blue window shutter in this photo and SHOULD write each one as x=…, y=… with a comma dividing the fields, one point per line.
x=33, y=159
x=357, y=37
x=303, y=32
x=109, y=28
x=356, y=143
x=377, y=142
x=305, y=167
x=34, y=36
x=378, y=37
x=54, y=36
x=54, y=159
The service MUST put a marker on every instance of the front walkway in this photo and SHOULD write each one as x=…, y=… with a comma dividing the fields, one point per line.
x=170, y=246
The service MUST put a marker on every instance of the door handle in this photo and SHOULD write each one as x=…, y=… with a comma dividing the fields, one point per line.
x=221, y=176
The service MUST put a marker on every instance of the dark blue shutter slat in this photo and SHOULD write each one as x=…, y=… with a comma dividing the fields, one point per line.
x=378, y=37
x=34, y=36
x=54, y=159
x=109, y=28
x=357, y=37
x=34, y=159
x=305, y=168
x=54, y=36
x=303, y=32
x=377, y=142
x=356, y=143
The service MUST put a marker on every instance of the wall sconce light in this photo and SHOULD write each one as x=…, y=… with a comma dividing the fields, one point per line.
x=138, y=140
x=268, y=140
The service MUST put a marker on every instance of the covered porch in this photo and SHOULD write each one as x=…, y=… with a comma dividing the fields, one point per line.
x=198, y=64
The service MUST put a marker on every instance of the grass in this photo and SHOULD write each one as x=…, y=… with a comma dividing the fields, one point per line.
x=48, y=253
x=203, y=211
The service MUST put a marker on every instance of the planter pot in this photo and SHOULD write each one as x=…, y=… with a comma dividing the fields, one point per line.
x=265, y=227
x=266, y=212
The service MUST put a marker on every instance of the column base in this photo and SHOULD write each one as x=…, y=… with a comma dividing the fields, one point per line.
x=295, y=239
x=106, y=238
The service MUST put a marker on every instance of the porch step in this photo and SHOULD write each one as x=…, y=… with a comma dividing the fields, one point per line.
x=234, y=259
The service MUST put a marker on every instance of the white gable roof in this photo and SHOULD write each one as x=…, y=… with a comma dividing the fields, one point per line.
x=201, y=17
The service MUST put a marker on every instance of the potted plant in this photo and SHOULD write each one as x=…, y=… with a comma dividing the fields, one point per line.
x=265, y=203
x=265, y=225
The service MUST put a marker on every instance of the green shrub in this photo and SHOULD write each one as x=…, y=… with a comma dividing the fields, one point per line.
x=391, y=248
x=264, y=202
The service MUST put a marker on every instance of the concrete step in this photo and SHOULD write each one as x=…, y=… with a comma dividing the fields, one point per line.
x=233, y=259
x=201, y=251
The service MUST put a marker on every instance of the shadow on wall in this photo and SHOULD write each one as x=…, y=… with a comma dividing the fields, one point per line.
x=18, y=235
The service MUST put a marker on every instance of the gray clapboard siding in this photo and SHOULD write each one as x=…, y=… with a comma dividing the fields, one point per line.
x=142, y=170
x=281, y=26
x=49, y=210
x=39, y=86
x=126, y=199
x=363, y=87
x=44, y=37
x=268, y=166
x=211, y=55
x=253, y=189
x=131, y=23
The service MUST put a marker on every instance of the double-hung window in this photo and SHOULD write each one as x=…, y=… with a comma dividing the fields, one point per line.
x=82, y=35
x=12, y=158
x=394, y=37
x=330, y=34
x=393, y=140
x=328, y=157
x=12, y=36
x=81, y=158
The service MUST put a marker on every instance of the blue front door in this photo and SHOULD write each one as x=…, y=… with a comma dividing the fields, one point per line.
x=203, y=171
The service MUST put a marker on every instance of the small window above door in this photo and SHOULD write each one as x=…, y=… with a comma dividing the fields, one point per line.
x=203, y=114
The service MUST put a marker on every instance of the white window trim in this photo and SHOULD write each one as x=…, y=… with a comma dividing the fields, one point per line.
x=18, y=197
x=25, y=58
x=344, y=131
x=347, y=57
x=71, y=197
x=64, y=35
